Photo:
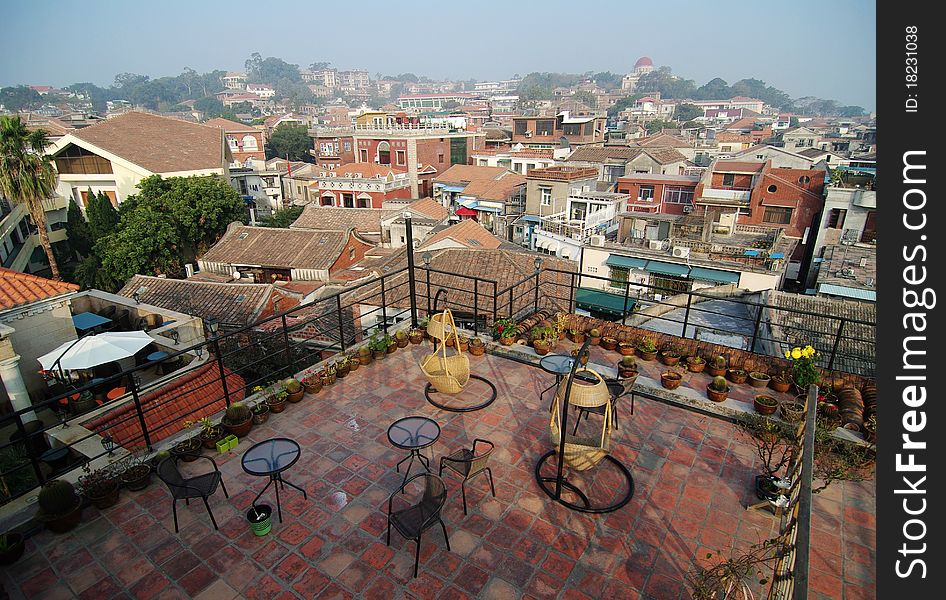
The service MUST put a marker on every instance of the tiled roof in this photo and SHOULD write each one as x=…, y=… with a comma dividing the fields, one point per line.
x=602, y=153
x=228, y=125
x=165, y=408
x=237, y=303
x=495, y=189
x=662, y=140
x=468, y=233
x=159, y=144
x=18, y=288
x=281, y=248
x=429, y=208
x=468, y=173
x=735, y=166
x=329, y=218
x=727, y=136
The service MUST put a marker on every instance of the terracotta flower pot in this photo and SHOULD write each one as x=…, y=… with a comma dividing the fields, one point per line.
x=239, y=429
x=260, y=417
x=312, y=385
x=294, y=397
x=477, y=350
x=670, y=361
x=759, y=380
x=648, y=356
x=716, y=396
x=276, y=406
x=595, y=340
x=416, y=337
x=402, y=342
x=626, y=349
x=737, y=375
x=609, y=343
x=765, y=405
x=792, y=411
x=671, y=379
x=780, y=386
x=715, y=371
x=696, y=367
x=541, y=348
x=137, y=477
x=507, y=340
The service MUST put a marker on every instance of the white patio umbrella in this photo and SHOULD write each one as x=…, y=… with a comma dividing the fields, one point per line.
x=93, y=350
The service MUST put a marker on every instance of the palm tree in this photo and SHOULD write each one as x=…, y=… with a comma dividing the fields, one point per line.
x=27, y=175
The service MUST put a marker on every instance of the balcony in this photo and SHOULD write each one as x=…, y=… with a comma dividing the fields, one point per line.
x=55, y=203
x=725, y=195
x=693, y=478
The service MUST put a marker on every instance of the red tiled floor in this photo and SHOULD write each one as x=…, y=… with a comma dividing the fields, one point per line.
x=693, y=478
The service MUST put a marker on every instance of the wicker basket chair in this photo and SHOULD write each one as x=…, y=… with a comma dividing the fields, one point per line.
x=447, y=372
x=582, y=453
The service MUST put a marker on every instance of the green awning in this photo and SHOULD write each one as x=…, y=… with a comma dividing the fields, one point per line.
x=596, y=300
x=714, y=275
x=625, y=262
x=663, y=268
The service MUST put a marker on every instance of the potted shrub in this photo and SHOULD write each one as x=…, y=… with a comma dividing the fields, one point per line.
x=505, y=331
x=238, y=419
x=136, y=473
x=718, y=389
x=626, y=348
x=774, y=448
x=561, y=325
x=329, y=373
x=780, y=382
x=353, y=363
x=209, y=433
x=716, y=366
x=294, y=391
x=416, y=335
x=188, y=448
x=260, y=414
x=764, y=404
x=312, y=383
x=343, y=367
x=647, y=348
x=737, y=375
x=540, y=339
x=577, y=335
x=477, y=347
x=423, y=327
x=99, y=486
x=391, y=344
x=696, y=364
x=378, y=346
x=60, y=507
x=11, y=547
x=670, y=355
x=792, y=411
x=627, y=367
x=364, y=355
x=804, y=371
x=609, y=343
x=671, y=379
x=464, y=343
x=400, y=338
x=277, y=402
x=758, y=379
x=595, y=335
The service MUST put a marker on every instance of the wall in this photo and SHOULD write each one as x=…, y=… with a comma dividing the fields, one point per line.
x=352, y=253
x=39, y=328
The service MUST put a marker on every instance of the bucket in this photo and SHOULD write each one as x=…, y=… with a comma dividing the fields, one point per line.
x=259, y=518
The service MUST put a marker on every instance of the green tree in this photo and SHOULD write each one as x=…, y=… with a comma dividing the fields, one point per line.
x=670, y=86
x=282, y=218
x=290, y=140
x=270, y=69
x=586, y=98
x=209, y=106
x=687, y=112
x=623, y=104
x=793, y=121
x=27, y=175
x=714, y=89
x=20, y=97
x=657, y=125
x=90, y=274
x=608, y=80
x=80, y=235
x=103, y=218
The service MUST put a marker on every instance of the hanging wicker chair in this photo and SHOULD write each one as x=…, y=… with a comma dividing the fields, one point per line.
x=582, y=453
x=447, y=373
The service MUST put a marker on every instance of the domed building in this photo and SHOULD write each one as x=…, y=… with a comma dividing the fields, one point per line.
x=643, y=66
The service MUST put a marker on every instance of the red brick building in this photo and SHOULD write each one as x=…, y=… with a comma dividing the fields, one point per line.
x=360, y=185
x=245, y=142
x=656, y=193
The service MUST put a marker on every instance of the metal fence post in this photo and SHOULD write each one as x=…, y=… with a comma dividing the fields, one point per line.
x=535, y=306
x=341, y=322
x=572, y=293
x=837, y=342
x=476, y=306
x=384, y=308
x=408, y=228
x=285, y=335
x=510, y=303
x=429, y=308
x=627, y=292
x=495, y=301
x=141, y=416
x=686, y=315
x=223, y=373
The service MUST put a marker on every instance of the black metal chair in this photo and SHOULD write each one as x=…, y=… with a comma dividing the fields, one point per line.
x=617, y=389
x=468, y=463
x=199, y=486
x=411, y=522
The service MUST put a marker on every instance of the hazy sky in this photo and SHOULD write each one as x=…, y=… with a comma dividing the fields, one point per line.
x=804, y=47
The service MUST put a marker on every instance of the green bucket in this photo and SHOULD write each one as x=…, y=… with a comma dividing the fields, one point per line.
x=259, y=517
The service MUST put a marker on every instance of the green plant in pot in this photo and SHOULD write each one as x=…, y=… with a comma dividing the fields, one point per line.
x=416, y=335
x=312, y=383
x=329, y=373
x=775, y=447
x=477, y=347
x=608, y=342
x=764, y=404
x=294, y=389
x=11, y=547
x=189, y=448
x=209, y=433
x=260, y=413
x=696, y=364
x=342, y=367
x=737, y=375
x=401, y=338
x=101, y=486
x=647, y=348
x=135, y=472
x=464, y=343
x=505, y=331
x=577, y=335
x=716, y=366
x=595, y=335
x=804, y=369
x=627, y=367
x=718, y=389
x=670, y=355
x=379, y=347
x=758, y=379
x=391, y=344
x=364, y=355
x=541, y=341
x=60, y=507
x=277, y=401
x=781, y=382
x=238, y=419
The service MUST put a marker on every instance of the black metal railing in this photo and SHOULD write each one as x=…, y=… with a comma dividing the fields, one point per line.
x=286, y=343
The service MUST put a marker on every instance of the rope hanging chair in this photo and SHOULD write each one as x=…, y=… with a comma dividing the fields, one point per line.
x=582, y=453
x=447, y=373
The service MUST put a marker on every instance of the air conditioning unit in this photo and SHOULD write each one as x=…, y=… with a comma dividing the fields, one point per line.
x=654, y=244
x=681, y=252
x=596, y=240
x=687, y=209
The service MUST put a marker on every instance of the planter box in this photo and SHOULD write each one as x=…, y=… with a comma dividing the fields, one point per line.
x=227, y=443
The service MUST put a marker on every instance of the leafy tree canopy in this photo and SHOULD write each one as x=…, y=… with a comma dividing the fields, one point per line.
x=657, y=125
x=20, y=97
x=608, y=80
x=270, y=70
x=103, y=218
x=587, y=98
x=80, y=235
x=623, y=104
x=687, y=112
x=289, y=140
x=282, y=218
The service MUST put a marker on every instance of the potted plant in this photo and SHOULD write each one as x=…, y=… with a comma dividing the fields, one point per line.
x=670, y=355
x=277, y=402
x=11, y=547
x=364, y=355
x=627, y=367
x=647, y=348
x=312, y=383
x=626, y=348
x=391, y=345
x=735, y=577
x=379, y=347
x=671, y=379
x=158, y=457
x=780, y=382
x=400, y=338
x=507, y=336
x=209, y=433
x=84, y=403
x=609, y=343
x=99, y=486
x=238, y=419
x=342, y=367
x=561, y=325
x=464, y=343
x=758, y=379
x=696, y=364
x=595, y=335
x=718, y=389
x=329, y=373
x=577, y=335
x=60, y=507
x=716, y=366
x=804, y=371
x=354, y=363
x=583, y=358
x=423, y=326
x=188, y=448
x=294, y=390
x=260, y=414
x=737, y=375
x=764, y=404
x=477, y=347
x=792, y=410
x=416, y=335
x=136, y=473
x=540, y=339
x=775, y=449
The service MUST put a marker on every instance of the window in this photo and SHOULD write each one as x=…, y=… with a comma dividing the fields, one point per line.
x=544, y=127
x=545, y=195
x=249, y=144
x=521, y=127
x=592, y=270
x=836, y=218
x=646, y=193
x=347, y=146
x=777, y=215
x=772, y=189
x=384, y=153
x=674, y=194
x=804, y=179
x=440, y=158
x=363, y=153
x=401, y=157
x=729, y=179
x=619, y=277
